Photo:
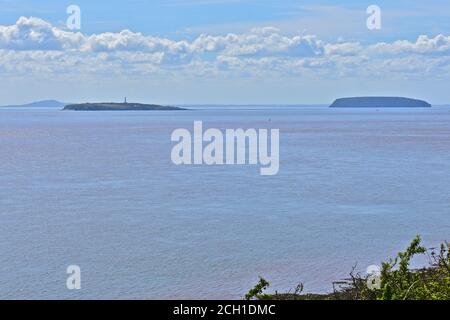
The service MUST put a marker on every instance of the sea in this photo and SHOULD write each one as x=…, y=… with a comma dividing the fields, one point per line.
x=98, y=190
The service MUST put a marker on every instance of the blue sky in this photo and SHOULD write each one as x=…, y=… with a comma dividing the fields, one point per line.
x=216, y=51
x=404, y=18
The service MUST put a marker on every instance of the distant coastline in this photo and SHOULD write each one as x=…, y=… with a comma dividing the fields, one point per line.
x=39, y=104
x=352, y=102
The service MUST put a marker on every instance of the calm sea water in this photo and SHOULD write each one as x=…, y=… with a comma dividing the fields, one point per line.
x=98, y=190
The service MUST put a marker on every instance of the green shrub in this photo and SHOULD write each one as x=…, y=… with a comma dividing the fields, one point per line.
x=397, y=280
x=257, y=290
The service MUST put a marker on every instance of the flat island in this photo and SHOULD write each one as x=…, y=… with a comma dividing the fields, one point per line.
x=111, y=106
x=379, y=102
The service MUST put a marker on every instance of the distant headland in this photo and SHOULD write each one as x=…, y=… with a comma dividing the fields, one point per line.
x=112, y=106
x=379, y=102
x=39, y=104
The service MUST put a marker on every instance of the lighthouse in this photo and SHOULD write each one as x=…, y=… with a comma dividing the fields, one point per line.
x=125, y=101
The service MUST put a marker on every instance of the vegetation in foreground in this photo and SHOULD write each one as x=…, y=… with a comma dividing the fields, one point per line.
x=396, y=281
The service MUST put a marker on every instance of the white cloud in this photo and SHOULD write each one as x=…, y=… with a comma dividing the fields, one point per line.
x=37, y=34
x=439, y=45
x=33, y=45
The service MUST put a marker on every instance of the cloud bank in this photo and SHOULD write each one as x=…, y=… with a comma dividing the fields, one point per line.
x=34, y=46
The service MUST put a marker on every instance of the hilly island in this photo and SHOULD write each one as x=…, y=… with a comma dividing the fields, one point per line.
x=111, y=106
x=379, y=102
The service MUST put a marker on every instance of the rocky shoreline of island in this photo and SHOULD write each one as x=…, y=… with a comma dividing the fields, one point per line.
x=379, y=102
x=112, y=106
